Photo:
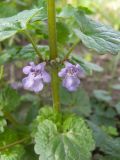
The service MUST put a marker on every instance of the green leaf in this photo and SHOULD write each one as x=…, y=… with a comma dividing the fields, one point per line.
x=11, y=25
x=67, y=11
x=62, y=32
x=74, y=143
x=29, y=153
x=116, y=87
x=108, y=158
x=46, y=113
x=85, y=9
x=96, y=36
x=110, y=130
x=103, y=113
x=117, y=107
x=78, y=101
x=3, y=122
x=88, y=66
x=28, y=52
x=43, y=4
x=13, y=153
x=102, y=95
x=106, y=143
x=9, y=99
x=6, y=34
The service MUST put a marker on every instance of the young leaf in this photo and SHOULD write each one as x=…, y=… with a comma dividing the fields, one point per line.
x=74, y=143
x=96, y=36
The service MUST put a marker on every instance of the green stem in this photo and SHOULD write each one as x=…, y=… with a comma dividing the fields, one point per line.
x=71, y=49
x=33, y=44
x=55, y=89
x=14, y=143
x=52, y=29
x=53, y=52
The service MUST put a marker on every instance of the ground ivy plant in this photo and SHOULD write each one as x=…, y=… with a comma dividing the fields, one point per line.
x=55, y=133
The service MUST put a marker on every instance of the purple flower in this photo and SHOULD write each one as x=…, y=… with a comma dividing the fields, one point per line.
x=71, y=75
x=36, y=77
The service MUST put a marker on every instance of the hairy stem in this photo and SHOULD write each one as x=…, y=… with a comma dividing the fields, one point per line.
x=14, y=143
x=33, y=44
x=55, y=89
x=53, y=52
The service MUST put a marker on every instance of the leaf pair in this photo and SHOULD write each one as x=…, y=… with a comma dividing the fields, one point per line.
x=73, y=142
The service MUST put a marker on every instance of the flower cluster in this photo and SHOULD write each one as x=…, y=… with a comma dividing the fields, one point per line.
x=37, y=76
x=71, y=75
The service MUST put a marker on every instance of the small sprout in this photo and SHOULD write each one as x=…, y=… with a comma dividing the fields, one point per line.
x=71, y=75
x=36, y=77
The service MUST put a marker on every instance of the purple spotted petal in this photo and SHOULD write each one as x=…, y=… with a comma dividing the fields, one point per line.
x=80, y=73
x=36, y=78
x=67, y=64
x=41, y=66
x=37, y=86
x=27, y=69
x=62, y=73
x=71, y=75
x=71, y=83
x=27, y=82
x=46, y=77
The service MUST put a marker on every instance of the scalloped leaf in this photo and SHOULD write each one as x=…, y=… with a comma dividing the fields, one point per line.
x=11, y=25
x=73, y=142
x=96, y=36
